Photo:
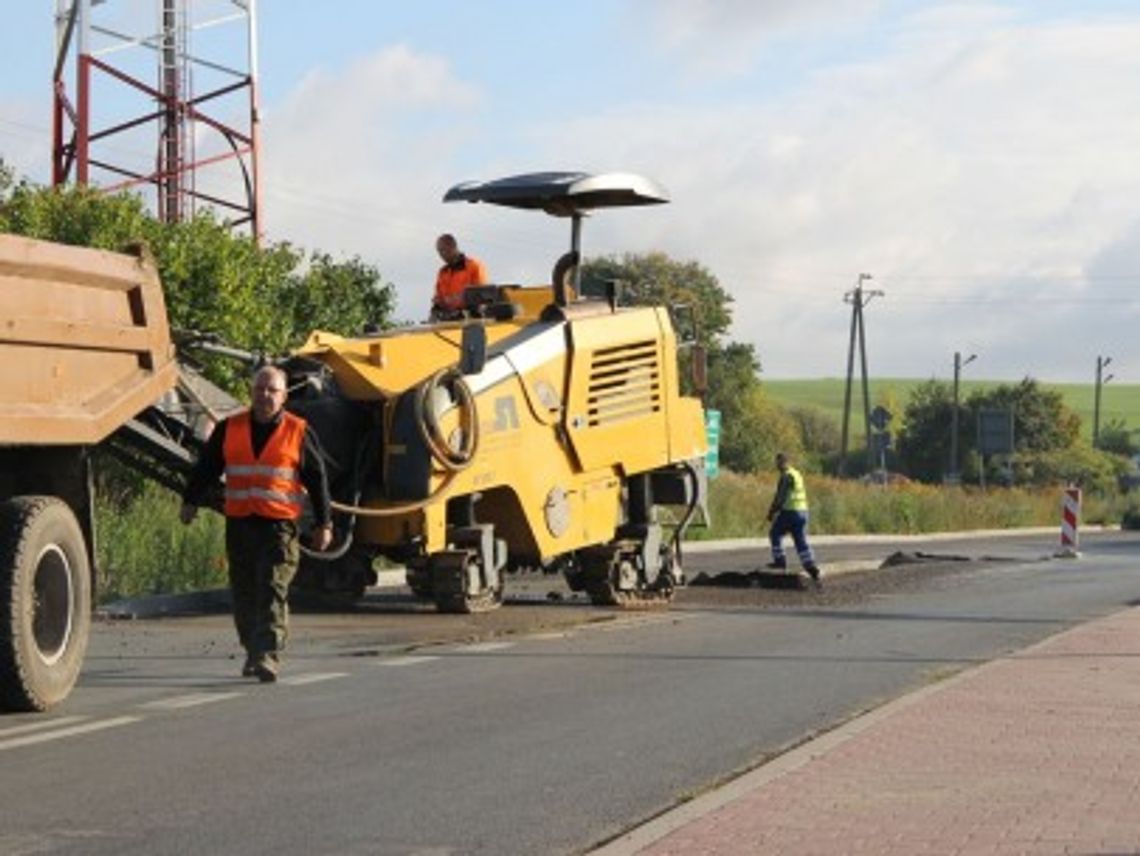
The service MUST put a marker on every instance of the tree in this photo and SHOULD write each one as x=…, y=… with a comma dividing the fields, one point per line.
x=819, y=434
x=758, y=429
x=656, y=279
x=340, y=296
x=733, y=386
x=7, y=179
x=1117, y=439
x=1042, y=426
x=266, y=299
x=923, y=444
x=1041, y=421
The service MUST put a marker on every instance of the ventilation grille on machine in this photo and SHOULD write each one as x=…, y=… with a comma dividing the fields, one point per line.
x=625, y=383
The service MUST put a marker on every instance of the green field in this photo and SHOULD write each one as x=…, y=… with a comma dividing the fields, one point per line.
x=1118, y=401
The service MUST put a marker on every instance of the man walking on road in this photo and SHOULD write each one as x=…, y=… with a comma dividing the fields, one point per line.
x=267, y=455
x=789, y=514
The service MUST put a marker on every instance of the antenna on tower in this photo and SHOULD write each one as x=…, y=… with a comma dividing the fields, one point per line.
x=166, y=106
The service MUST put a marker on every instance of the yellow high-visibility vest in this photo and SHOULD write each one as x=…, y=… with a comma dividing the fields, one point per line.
x=796, y=499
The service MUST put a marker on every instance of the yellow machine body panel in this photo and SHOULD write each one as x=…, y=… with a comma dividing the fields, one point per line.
x=565, y=408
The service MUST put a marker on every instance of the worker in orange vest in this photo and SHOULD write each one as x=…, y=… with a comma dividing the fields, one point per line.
x=270, y=461
x=458, y=272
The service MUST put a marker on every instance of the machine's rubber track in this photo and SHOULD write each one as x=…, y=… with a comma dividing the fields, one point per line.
x=457, y=602
x=600, y=572
x=603, y=593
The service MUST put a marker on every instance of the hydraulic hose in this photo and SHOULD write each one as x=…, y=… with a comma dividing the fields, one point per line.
x=452, y=460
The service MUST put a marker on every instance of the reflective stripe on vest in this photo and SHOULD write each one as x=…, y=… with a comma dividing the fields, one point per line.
x=797, y=496
x=268, y=485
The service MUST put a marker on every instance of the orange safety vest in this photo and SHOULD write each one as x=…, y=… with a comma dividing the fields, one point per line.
x=269, y=485
x=450, y=283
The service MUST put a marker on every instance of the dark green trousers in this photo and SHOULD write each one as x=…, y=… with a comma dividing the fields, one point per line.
x=263, y=556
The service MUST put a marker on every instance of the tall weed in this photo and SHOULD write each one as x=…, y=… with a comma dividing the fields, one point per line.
x=142, y=547
x=738, y=505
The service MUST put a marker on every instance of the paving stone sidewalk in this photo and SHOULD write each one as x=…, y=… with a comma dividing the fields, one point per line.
x=1038, y=753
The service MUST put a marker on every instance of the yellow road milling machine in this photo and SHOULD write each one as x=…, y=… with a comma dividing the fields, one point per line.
x=540, y=429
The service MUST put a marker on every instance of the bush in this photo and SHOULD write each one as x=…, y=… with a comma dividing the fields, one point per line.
x=143, y=548
x=1130, y=518
x=1082, y=465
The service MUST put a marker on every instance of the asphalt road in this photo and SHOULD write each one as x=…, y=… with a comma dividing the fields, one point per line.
x=397, y=731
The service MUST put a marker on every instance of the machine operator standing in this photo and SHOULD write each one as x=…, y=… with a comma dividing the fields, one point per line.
x=458, y=271
x=789, y=514
x=270, y=460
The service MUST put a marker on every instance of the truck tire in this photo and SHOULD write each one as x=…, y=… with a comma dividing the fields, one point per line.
x=45, y=602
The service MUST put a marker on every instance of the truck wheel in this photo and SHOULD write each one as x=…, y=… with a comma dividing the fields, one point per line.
x=45, y=602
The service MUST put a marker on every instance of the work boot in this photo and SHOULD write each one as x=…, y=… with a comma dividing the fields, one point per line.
x=249, y=670
x=815, y=574
x=777, y=565
x=266, y=668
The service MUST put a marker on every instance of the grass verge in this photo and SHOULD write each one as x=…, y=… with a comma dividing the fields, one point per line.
x=739, y=506
x=142, y=548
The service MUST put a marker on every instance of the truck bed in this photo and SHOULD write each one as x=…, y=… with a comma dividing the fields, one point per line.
x=84, y=342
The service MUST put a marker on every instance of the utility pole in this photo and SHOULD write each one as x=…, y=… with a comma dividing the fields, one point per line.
x=858, y=298
x=954, y=476
x=1101, y=380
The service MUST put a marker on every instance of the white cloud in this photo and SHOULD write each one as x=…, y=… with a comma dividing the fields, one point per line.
x=982, y=169
x=994, y=165
x=723, y=37
x=682, y=24
x=357, y=159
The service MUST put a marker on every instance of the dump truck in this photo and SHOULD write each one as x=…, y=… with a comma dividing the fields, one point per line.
x=542, y=428
x=84, y=349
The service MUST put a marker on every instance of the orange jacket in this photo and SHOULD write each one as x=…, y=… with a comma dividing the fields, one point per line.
x=270, y=485
x=452, y=280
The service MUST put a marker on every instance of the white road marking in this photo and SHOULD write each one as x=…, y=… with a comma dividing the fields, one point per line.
x=39, y=726
x=481, y=647
x=73, y=731
x=544, y=637
x=410, y=660
x=191, y=700
x=312, y=678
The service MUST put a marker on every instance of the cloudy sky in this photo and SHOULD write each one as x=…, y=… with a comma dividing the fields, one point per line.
x=981, y=160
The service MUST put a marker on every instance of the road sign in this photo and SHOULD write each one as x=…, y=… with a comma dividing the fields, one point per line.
x=712, y=433
x=881, y=441
x=881, y=417
x=995, y=432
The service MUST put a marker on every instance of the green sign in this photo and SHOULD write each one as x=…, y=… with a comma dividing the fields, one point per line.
x=712, y=433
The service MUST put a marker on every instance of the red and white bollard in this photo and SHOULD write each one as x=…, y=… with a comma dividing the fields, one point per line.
x=1070, y=516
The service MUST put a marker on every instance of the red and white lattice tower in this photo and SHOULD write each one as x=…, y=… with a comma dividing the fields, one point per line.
x=161, y=98
x=1070, y=518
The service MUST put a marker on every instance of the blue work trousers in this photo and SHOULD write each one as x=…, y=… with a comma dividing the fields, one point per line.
x=794, y=523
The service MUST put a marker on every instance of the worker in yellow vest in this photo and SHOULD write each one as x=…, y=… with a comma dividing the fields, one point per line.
x=789, y=514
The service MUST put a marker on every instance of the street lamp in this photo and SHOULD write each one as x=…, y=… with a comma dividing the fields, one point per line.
x=954, y=477
x=1101, y=380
